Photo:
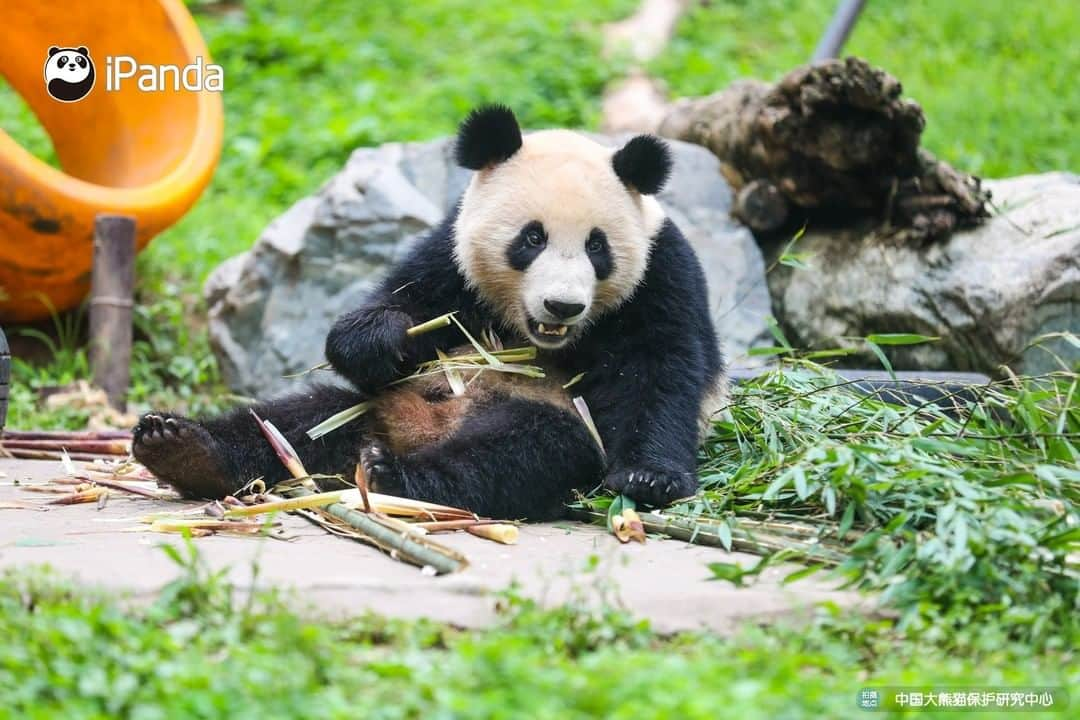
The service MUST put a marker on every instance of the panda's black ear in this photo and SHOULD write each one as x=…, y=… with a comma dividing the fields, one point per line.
x=82, y=50
x=643, y=164
x=490, y=135
x=53, y=50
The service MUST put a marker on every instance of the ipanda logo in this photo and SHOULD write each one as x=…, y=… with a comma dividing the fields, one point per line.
x=69, y=74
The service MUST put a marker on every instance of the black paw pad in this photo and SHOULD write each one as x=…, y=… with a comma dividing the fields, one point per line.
x=182, y=453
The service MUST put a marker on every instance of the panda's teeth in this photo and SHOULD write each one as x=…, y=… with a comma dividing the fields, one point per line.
x=559, y=330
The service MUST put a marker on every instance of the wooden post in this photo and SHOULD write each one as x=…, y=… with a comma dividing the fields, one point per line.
x=112, y=288
x=5, y=377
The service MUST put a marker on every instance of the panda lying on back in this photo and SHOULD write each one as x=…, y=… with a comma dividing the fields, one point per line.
x=556, y=242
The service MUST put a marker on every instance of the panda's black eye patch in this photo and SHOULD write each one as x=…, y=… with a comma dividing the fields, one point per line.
x=529, y=243
x=81, y=61
x=62, y=61
x=599, y=253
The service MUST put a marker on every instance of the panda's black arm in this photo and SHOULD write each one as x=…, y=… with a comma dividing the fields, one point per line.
x=658, y=362
x=370, y=347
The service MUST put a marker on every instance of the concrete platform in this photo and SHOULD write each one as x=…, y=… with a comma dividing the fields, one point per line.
x=662, y=580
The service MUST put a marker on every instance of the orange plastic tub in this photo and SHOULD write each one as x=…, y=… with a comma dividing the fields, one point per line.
x=146, y=154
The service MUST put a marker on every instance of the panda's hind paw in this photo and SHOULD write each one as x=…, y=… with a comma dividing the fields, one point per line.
x=182, y=453
x=381, y=469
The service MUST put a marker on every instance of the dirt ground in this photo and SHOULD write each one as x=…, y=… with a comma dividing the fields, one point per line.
x=662, y=580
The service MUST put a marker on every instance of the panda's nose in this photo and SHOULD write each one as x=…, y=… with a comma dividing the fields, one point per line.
x=563, y=310
x=71, y=66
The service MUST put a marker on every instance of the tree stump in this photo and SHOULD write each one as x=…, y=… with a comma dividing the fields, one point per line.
x=836, y=140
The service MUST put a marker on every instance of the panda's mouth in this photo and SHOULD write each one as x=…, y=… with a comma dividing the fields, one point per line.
x=548, y=334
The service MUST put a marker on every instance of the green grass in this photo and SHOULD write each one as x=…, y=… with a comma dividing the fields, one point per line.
x=997, y=79
x=205, y=650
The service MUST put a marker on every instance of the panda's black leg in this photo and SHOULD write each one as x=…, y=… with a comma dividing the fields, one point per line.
x=215, y=457
x=509, y=459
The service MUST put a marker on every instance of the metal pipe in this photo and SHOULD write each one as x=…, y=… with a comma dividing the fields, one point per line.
x=832, y=42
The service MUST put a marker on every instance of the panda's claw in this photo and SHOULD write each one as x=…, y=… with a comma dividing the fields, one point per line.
x=656, y=488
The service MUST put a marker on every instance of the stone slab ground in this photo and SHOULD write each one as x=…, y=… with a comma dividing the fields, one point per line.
x=663, y=580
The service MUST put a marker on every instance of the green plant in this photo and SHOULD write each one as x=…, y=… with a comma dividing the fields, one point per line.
x=957, y=512
x=204, y=650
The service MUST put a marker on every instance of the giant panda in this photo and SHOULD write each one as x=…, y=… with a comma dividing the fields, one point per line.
x=558, y=242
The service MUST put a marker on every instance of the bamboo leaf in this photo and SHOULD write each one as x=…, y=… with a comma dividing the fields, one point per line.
x=901, y=338
x=801, y=573
x=723, y=530
x=336, y=420
x=881, y=358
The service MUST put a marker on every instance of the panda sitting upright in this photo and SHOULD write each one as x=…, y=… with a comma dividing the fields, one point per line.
x=556, y=242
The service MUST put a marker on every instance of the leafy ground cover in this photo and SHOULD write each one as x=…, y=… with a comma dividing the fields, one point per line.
x=205, y=650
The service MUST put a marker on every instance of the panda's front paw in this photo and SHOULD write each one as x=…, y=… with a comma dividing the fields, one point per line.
x=650, y=486
x=370, y=347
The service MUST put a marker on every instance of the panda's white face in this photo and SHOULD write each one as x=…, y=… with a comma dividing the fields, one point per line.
x=552, y=238
x=68, y=65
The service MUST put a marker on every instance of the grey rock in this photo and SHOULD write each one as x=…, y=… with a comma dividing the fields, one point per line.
x=270, y=308
x=988, y=292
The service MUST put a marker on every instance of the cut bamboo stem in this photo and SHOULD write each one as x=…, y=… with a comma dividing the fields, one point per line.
x=411, y=547
x=700, y=533
x=96, y=447
x=313, y=500
x=499, y=532
x=57, y=435
x=433, y=324
x=24, y=454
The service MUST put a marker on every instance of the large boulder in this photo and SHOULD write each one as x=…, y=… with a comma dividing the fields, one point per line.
x=271, y=307
x=988, y=292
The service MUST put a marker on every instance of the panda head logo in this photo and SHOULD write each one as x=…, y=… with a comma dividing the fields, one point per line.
x=69, y=73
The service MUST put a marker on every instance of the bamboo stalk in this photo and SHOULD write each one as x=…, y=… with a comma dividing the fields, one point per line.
x=66, y=435
x=97, y=447
x=83, y=496
x=23, y=454
x=405, y=545
x=312, y=500
x=499, y=532
x=411, y=547
x=700, y=533
x=225, y=526
x=435, y=526
x=433, y=324
x=133, y=489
